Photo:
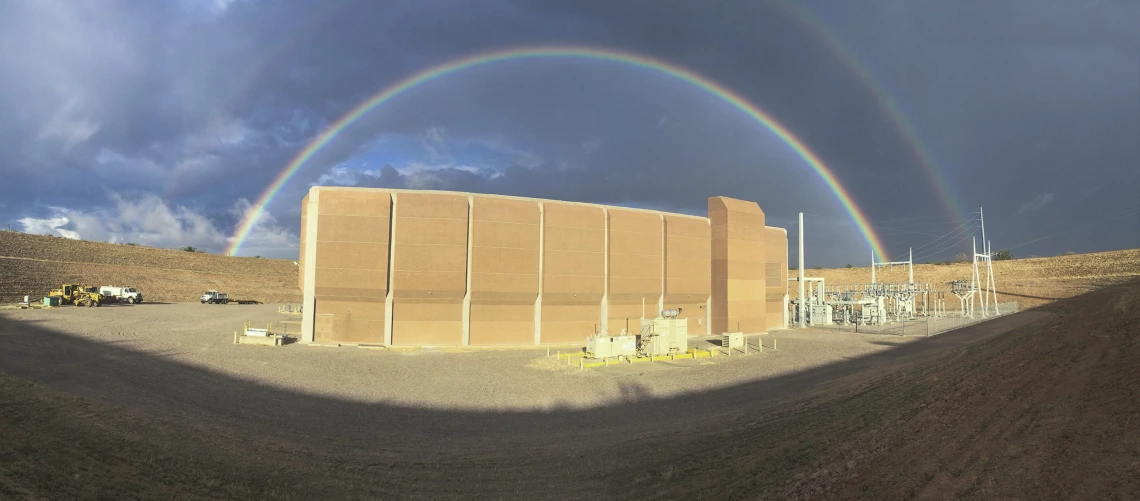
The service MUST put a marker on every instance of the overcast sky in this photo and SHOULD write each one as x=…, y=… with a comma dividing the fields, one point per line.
x=160, y=122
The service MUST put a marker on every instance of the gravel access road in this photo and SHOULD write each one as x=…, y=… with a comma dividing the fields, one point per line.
x=453, y=416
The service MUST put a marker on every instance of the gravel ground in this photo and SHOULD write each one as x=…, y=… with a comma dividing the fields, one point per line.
x=178, y=361
x=455, y=424
x=474, y=379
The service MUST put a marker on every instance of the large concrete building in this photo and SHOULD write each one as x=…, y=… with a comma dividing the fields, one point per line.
x=418, y=268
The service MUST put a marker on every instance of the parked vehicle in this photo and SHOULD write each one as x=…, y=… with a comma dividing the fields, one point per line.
x=77, y=295
x=122, y=294
x=214, y=297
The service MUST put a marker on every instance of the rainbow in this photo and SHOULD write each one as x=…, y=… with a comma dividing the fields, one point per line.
x=892, y=109
x=635, y=60
x=238, y=86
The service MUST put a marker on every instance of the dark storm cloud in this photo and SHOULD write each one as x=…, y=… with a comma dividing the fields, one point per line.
x=203, y=102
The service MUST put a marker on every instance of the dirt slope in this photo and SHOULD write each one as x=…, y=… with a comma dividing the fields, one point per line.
x=33, y=264
x=1031, y=282
x=1049, y=412
x=30, y=264
x=1036, y=405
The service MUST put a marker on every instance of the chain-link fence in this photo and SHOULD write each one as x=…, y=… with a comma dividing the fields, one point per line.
x=927, y=326
x=938, y=325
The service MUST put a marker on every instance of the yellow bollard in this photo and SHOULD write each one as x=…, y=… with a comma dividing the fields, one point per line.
x=235, y=337
x=773, y=343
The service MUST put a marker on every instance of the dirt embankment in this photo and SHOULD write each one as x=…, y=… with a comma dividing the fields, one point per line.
x=1031, y=282
x=33, y=264
x=1044, y=407
x=1047, y=412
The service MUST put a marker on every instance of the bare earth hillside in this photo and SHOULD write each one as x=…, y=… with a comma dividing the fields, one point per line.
x=1040, y=404
x=33, y=264
x=1031, y=282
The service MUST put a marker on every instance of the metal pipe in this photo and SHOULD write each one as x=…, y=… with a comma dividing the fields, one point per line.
x=910, y=264
x=982, y=218
x=985, y=248
x=993, y=281
x=801, y=298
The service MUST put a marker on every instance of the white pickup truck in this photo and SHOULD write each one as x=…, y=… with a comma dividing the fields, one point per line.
x=122, y=294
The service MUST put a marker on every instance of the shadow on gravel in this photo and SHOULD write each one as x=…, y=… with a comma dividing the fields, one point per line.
x=1026, y=296
x=559, y=453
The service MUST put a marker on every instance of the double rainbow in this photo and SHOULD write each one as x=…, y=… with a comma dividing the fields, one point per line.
x=890, y=106
x=631, y=59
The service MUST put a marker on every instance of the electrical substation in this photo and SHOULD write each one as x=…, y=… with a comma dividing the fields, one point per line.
x=388, y=268
x=876, y=303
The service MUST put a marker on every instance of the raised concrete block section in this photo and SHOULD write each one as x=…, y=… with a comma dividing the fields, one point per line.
x=688, y=269
x=738, y=261
x=304, y=231
x=429, y=276
x=307, y=273
x=504, y=270
x=351, y=264
x=775, y=275
x=573, y=271
x=635, y=256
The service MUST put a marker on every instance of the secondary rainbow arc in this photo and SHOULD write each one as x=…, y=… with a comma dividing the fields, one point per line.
x=245, y=226
x=889, y=105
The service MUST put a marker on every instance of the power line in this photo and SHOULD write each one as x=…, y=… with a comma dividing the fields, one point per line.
x=955, y=218
x=922, y=224
x=968, y=225
x=935, y=253
x=962, y=227
x=933, y=231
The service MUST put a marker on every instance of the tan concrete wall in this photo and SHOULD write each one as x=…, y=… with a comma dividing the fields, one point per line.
x=304, y=230
x=738, y=259
x=481, y=269
x=351, y=270
x=573, y=271
x=504, y=270
x=688, y=269
x=635, y=256
x=429, y=277
x=775, y=275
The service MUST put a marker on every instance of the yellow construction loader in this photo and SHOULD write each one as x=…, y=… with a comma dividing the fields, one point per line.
x=77, y=295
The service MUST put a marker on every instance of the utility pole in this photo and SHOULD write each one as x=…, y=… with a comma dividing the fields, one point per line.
x=985, y=248
x=910, y=264
x=873, y=266
x=801, y=298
